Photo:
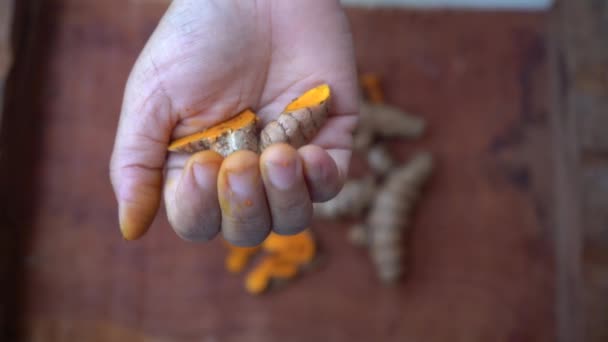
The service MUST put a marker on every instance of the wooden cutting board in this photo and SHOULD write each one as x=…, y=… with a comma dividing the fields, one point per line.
x=482, y=265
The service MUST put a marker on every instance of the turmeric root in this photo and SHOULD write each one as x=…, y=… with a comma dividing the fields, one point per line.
x=371, y=86
x=378, y=119
x=353, y=199
x=358, y=235
x=237, y=133
x=389, y=215
x=300, y=121
x=286, y=255
x=390, y=122
x=379, y=160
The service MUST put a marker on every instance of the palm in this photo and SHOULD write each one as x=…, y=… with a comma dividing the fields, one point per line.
x=243, y=65
x=208, y=60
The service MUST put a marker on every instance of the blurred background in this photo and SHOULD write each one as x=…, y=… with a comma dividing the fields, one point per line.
x=510, y=240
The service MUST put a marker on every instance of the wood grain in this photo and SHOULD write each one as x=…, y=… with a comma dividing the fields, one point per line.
x=483, y=266
x=582, y=63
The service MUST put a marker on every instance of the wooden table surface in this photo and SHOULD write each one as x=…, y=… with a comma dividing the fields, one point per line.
x=482, y=265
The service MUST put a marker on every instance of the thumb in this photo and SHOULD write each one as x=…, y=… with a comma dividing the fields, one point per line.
x=136, y=168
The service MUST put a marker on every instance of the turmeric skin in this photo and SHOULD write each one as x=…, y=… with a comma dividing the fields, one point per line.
x=234, y=134
x=300, y=121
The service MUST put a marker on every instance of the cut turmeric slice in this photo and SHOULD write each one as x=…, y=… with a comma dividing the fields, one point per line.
x=259, y=279
x=299, y=248
x=238, y=257
x=310, y=98
x=283, y=269
x=284, y=256
x=237, y=133
x=271, y=268
x=300, y=121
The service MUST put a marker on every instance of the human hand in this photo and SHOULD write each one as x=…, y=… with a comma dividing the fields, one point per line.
x=206, y=61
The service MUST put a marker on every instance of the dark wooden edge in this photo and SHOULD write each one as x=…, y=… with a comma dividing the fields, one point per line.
x=19, y=144
x=566, y=191
x=6, y=51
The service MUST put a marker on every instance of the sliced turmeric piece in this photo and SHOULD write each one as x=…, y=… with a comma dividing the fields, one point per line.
x=237, y=133
x=282, y=268
x=283, y=257
x=299, y=248
x=286, y=255
x=271, y=268
x=371, y=86
x=259, y=279
x=386, y=121
x=353, y=200
x=238, y=257
x=300, y=121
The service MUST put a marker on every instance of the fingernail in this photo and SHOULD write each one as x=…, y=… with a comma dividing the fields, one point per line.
x=204, y=174
x=132, y=226
x=282, y=175
x=242, y=182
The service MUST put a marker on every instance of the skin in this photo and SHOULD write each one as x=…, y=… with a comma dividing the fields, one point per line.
x=206, y=61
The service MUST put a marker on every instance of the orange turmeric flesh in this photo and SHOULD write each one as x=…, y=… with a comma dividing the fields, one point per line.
x=238, y=257
x=312, y=97
x=245, y=120
x=298, y=248
x=371, y=85
x=272, y=267
x=282, y=258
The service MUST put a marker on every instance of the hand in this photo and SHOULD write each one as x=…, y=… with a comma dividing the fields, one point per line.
x=206, y=61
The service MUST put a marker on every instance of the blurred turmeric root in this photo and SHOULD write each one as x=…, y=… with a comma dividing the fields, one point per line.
x=390, y=215
x=283, y=258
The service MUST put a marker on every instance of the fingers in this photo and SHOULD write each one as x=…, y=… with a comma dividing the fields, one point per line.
x=321, y=173
x=286, y=191
x=246, y=219
x=191, y=196
x=244, y=201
